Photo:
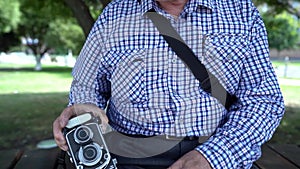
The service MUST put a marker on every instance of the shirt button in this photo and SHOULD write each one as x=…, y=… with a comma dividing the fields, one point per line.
x=174, y=60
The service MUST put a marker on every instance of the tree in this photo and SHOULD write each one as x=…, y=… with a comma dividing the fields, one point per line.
x=37, y=18
x=9, y=20
x=83, y=11
x=82, y=14
x=41, y=21
x=279, y=6
x=66, y=36
x=282, y=31
x=9, y=15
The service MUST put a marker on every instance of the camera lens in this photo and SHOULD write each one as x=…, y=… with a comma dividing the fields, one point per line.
x=90, y=154
x=83, y=134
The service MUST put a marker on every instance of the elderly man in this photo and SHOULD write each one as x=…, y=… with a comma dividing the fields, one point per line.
x=127, y=66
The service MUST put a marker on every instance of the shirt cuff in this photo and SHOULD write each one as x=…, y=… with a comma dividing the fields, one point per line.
x=217, y=154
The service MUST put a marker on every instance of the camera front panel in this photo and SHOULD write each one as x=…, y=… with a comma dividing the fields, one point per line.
x=87, y=148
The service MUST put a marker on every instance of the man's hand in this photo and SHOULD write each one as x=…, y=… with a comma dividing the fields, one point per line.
x=191, y=160
x=72, y=111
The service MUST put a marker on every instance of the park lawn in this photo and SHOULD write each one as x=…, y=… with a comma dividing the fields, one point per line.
x=281, y=63
x=26, y=80
x=289, y=129
x=30, y=101
x=26, y=118
x=291, y=94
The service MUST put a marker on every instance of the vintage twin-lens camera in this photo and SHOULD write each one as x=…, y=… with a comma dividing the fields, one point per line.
x=87, y=147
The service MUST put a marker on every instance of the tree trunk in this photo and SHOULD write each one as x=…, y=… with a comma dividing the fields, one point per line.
x=38, y=65
x=82, y=14
x=105, y=2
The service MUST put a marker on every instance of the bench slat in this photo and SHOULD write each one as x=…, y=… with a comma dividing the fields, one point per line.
x=289, y=151
x=274, y=157
x=38, y=159
x=271, y=160
x=9, y=157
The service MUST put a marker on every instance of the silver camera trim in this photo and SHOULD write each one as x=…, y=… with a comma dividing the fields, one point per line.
x=78, y=122
x=96, y=159
x=90, y=134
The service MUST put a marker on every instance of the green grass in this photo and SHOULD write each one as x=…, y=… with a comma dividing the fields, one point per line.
x=289, y=130
x=281, y=63
x=291, y=95
x=30, y=101
x=27, y=118
x=26, y=80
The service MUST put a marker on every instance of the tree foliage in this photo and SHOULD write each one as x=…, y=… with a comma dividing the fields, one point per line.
x=66, y=36
x=279, y=6
x=282, y=31
x=35, y=24
x=10, y=15
x=85, y=12
x=63, y=25
x=281, y=18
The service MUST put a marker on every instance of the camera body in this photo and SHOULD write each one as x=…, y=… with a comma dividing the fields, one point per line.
x=87, y=147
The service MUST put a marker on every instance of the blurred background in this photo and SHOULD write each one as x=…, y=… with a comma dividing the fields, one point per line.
x=39, y=43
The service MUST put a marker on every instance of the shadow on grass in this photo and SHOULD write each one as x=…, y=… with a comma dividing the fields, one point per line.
x=27, y=118
x=289, y=130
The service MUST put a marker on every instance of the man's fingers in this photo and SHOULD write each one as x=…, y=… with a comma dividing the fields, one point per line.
x=60, y=123
x=58, y=126
x=84, y=108
x=58, y=135
x=66, y=115
x=103, y=117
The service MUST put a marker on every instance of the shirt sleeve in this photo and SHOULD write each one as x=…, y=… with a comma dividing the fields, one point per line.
x=254, y=118
x=90, y=84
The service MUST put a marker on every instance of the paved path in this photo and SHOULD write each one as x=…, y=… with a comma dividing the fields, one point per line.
x=289, y=72
x=289, y=82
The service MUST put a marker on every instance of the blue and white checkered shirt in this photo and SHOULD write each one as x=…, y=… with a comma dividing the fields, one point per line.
x=151, y=91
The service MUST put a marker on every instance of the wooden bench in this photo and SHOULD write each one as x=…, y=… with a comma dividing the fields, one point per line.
x=274, y=156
